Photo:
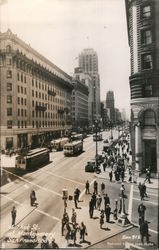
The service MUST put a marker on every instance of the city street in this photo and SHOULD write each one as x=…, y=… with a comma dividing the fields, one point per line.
x=68, y=172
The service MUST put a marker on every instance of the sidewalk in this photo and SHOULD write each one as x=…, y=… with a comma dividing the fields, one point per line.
x=95, y=234
x=154, y=181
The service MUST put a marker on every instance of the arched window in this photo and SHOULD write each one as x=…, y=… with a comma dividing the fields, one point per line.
x=149, y=118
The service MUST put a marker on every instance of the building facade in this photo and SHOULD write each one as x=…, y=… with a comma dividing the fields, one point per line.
x=87, y=80
x=143, y=36
x=79, y=104
x=35, y=95
x=110, y=105
x=88, y=61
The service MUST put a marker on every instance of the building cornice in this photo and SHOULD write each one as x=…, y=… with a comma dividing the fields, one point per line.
x=56, y=70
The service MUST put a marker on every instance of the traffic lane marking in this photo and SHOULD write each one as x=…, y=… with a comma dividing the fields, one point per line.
x=154, y=203
x=34, y=184
x=84, y=190
x=61, y=177
x=35, y=209
x=137, y=191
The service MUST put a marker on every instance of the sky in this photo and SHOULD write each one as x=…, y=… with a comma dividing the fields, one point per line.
x=61, y=29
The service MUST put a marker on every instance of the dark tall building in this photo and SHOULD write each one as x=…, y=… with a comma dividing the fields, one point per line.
x=110, y=105
x=143, y=36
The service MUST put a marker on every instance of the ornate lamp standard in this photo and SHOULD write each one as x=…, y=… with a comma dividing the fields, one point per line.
x=96, y=132
x=111, y=131
x=65, y=197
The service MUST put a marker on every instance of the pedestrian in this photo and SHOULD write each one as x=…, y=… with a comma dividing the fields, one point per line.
x=110, y=175
x=106, y=200
x=104, y=166
x=144, y=190
x=13, y=214
x=65, y=221
x=87, y=187
x=68, y=233
x=122, y=175
x=78, y=193
x=101, y=221
x=130, y=175
x=83, y=231
x=115, y=213
x=32, y=198
x=102, y=188
x=54, y=244
x=44, y=242
x=75, y=198
x=91, y=208
x=141, y=211
x=95, y=187
x=94, y=198
x=144, y=231
x=99, y=201
x=73, y=233
x=141, y=191
x=148, y=175
x=107, y=213
x=74, y=216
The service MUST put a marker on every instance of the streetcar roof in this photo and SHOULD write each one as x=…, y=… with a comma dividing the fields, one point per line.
x=73, y=143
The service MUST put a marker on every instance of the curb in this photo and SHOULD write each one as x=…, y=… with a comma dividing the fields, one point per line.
x=107, y=178
x=111, y=236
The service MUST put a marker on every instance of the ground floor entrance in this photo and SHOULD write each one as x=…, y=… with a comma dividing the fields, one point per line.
x=150, y=155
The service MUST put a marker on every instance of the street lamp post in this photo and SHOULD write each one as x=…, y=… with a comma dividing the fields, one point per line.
x=111, y=131
x=96, y=131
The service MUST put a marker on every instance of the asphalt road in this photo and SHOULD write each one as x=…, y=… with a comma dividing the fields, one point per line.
x=48, y=182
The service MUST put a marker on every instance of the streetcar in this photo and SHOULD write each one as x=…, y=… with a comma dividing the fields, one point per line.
x=73, y=148
x=33, y=159
x=75, y=137
x=59, y=143
x=97, y=137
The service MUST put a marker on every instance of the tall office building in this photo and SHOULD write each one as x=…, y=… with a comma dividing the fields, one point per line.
x=88, y=61
x=110, y=105
x=86, y=79
x=35, y=95
x=143, y=36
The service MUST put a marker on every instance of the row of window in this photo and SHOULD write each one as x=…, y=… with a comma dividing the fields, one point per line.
x=47, y=97
x=46, y=124
x=21, y=77
x=22, y=101
x=21, y=90
x=22, y=124
x=47, y=115
x=46, y=87
x=22, y=112
x=50, y=106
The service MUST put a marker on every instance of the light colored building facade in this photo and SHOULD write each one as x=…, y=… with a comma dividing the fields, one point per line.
x=87, y=80
x=35, y=95
x=88, y=61
x=143, y=34
x=79, y=104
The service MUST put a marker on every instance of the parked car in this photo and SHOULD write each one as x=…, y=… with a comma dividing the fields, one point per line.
x=100, y=158
x=106, y=141
x=91, y=167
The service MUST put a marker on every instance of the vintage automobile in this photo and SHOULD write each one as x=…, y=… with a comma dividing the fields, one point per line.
x=91, y=167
